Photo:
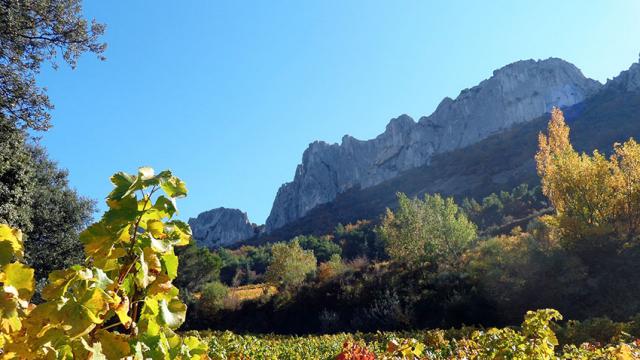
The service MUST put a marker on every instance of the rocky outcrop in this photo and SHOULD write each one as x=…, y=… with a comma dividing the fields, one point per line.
x=222, y=227
x=628, y=80
x=515, y=93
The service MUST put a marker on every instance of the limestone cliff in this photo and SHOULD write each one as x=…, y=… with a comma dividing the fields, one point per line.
x=515, y=93
x=221, y=227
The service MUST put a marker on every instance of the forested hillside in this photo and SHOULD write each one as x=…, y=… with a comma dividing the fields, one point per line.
x=432, y=263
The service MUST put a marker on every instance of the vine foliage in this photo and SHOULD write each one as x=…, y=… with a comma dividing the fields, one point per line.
x=121, y=303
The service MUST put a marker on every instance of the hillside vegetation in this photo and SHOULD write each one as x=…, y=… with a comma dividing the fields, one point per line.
x=431, y=263
x=425, y=265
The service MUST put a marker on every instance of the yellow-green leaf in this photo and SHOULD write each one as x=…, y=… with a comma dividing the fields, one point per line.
x=9, y=317
x=122, y=182
x=122, y=311
x=173, y=187
x=20, y=277
x=154, y=266
x=172, y=313
x=114, y=346
x=59, y=281
x=121, y=212
x=97, y=302
x=12, y=237
x=78, y=320
x=156, y=228
x=97, y=239
x=142, y=275
x=170, y=262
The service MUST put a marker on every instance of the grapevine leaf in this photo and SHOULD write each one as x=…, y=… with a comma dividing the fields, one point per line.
x=121, y=211
x=20, y=277
x=97, y=352
x=170, y=262
x=195, y=346
x=161, y=285
x=157, y=346
x=114, y=346
x=14, y=238
x=6, y=252
x=139, y=348
x=9, y=317
x=122, y=182
x=145, y=172
x=128, y=285
x=101, y=279
x=165, y=206
x=59, y=281
x=154, y=265
x=122, y=311
x=97, y=302
x=155, y=180
x=97, y=239
x=172, y=313
x=148, y=323
x=142, y=275
x=43, y=318
x=173, y=187
x=178, y=231
x=156, y=228
x=78, y=320
x=157, y=245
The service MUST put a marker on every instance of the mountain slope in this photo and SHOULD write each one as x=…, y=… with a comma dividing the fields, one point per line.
x=514, y=94
x=500, y=162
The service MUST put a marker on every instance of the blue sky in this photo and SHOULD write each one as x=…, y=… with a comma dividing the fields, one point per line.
x=228, y=94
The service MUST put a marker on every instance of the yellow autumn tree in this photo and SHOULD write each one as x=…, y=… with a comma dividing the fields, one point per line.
x=595, y=197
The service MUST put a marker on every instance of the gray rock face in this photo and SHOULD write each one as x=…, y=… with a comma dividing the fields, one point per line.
x=515, y=93
x=628, y=80
x=221, y=226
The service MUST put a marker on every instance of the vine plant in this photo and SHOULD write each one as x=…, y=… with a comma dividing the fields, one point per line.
x=121, y=303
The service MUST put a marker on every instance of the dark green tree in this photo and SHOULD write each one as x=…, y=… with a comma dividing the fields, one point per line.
x=58, y=214
x=323, y=247
x=32, y=32
x=198, y=266
x=16, y=175
x=35, y=196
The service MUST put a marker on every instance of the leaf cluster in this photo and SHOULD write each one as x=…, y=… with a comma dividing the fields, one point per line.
x=121, y=302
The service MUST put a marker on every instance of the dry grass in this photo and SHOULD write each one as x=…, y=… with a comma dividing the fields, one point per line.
x=252, y=292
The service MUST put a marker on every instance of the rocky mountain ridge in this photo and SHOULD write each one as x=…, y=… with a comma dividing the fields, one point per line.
x=497, y=163
x=515, y=93
x=627, y=81
x=221, y=227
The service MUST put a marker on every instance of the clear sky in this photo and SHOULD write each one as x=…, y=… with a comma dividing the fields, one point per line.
x=228, y=94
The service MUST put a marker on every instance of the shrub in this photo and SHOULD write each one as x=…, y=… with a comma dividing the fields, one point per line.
x=290, y=265
x=332, y=268
x=433, y=230
x=213, y=296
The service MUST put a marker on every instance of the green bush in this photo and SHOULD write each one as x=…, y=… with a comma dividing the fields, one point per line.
x=213, y=296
